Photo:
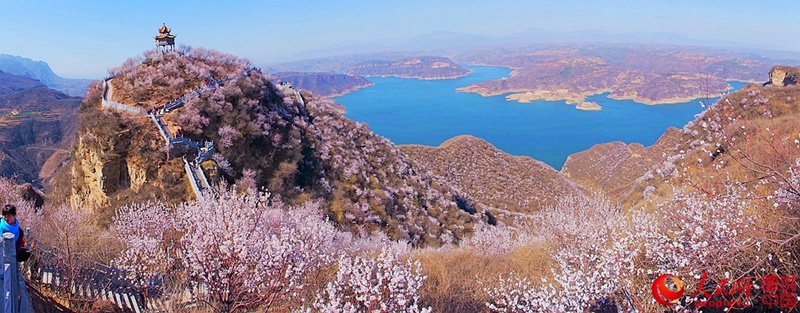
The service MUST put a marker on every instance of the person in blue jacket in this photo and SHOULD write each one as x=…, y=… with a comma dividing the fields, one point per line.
x=10, y=224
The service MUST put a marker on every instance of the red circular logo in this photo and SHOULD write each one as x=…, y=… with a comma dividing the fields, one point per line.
x=663, y=294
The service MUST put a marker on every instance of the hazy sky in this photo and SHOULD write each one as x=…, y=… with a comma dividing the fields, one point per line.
x=82, y=39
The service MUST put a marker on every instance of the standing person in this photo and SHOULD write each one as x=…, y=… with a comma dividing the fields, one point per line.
x=10, y=224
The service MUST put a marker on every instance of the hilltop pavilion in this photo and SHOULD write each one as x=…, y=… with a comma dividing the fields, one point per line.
x=165, y=41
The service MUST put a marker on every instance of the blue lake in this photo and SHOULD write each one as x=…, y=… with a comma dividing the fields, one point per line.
x=411, y=111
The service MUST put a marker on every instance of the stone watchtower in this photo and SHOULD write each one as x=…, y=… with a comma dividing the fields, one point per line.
x=165, y=41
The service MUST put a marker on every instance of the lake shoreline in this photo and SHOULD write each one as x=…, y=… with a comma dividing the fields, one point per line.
x=429, y=112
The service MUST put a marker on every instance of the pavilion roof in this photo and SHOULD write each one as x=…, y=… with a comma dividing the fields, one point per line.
x=164, y=29
x=163, y=33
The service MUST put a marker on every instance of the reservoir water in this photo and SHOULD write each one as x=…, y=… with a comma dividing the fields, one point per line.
x=428, y=112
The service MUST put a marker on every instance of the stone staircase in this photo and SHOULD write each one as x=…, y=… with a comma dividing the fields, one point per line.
x=106, y=281
x=194, y=171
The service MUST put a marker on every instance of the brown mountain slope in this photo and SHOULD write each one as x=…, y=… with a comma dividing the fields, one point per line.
x=491, y=176
x=36, y=122
x=614, y=168
x=749, y=137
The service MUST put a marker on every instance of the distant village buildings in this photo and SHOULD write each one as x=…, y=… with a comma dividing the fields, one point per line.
x=165, y=41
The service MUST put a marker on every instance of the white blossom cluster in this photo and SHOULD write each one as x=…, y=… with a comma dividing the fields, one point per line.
x=492, y=240
x=594, y=250
x=143, y=229
x=245, y=250
x=26, y=212
x=602, y=254
x=366, y=284
x=249, y=250
x=789, y=194
x=696, y=232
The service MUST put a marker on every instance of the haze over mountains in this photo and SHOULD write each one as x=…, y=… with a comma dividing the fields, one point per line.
x=650, y=68
x=448, y=43
x=644, y=73
x=39, y=70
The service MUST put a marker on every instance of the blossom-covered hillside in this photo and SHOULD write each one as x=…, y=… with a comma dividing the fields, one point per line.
x=266, y=136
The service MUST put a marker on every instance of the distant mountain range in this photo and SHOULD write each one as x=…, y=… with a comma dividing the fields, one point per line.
x=450, y=44
x=337, y=64
x=645, y=73
x=40, y=71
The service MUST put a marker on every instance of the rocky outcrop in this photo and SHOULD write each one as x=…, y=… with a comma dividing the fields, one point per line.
x=113, y=164
x=97, y=172
x=119, y=158
x=420, y=67
x=783, y=76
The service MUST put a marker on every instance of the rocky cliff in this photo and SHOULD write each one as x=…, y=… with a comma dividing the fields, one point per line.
x=783, y=76
x=418, y=67
x=120, y=159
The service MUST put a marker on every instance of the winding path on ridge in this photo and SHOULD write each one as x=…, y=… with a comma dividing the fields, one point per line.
x=197, y=177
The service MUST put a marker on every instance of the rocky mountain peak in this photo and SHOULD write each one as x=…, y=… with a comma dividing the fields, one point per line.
x=265, y=135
